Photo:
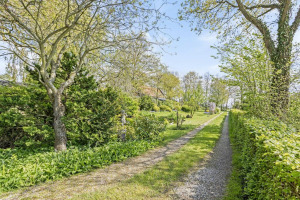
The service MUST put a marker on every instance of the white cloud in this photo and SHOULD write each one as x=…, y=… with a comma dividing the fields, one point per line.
x=208, y=37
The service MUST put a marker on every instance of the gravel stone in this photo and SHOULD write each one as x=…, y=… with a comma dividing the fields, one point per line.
x=209, y=182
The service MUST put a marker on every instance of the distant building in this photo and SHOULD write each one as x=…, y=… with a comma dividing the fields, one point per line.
x=155, y=93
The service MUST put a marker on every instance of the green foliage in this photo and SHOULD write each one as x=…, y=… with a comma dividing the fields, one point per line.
x=178, y=107
x=165, y=108
x=185, y=108
x=90, y=112
x=21, y=168
x=148, y=127
x=26, y=112
x=170, y=103
x=218, y=110
x=146, y=103
x=156, y=108
x=25, y=116
x=128, y=104
x=179, y=120
x=171, y=117
x=293, y=115
x=269, y=157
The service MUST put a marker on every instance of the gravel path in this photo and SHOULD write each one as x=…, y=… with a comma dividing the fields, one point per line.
x=102, y=178
x=209, y=182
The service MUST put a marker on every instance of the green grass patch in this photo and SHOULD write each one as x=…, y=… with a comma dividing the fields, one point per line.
x=234, y=188
x=156, y=182
x=191, y=123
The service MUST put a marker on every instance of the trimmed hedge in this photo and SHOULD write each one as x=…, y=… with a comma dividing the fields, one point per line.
x=268, y=153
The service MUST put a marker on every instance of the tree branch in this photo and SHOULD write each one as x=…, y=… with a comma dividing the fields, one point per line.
x=260, y=26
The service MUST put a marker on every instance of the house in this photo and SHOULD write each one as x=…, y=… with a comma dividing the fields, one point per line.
x=155, y=93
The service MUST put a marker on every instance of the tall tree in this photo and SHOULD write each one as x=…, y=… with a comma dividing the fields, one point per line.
x=193, y=91
x=248, y=67
x=206, y=86
x=45, y=30
x=171, y=85
x=220, y=15
x=219, y=91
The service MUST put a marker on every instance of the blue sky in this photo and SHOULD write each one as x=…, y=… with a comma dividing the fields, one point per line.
x=192, y=52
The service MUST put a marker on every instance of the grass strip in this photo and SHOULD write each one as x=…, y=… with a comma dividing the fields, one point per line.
x=157, y=181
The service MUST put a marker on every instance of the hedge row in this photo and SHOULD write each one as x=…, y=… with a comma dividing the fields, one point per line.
x=268, y=157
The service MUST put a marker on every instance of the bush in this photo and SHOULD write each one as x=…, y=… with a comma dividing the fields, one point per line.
x=156, y=108
x=165, y=108
x=186, y=108
x=90, y=112
x=268, y=153
x=177, y=108
x=25, y=116
x=148, y=127
x=146, y=103
x=218, y=110
x=172, y=117
x=128, y=104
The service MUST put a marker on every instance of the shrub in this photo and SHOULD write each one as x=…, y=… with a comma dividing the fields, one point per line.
x=156, y=108
x=178, y=108
x=218, y=110
x=128, y=104
x=168, y=103
x=25, y=116
x=90, y=113
x=268, y=153
x=186, y=108
x=172, y=117
x=165, y=108
x=146, y=103
x=148, y=127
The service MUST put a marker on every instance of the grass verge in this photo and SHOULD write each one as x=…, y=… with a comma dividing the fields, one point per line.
x=157, y=181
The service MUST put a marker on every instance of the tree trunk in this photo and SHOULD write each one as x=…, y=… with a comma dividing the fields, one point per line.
x=281, y=59
x=59, y=127
x=280, y=87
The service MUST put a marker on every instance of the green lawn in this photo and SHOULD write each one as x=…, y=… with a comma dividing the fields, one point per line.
x=191, y=123
x=157, y=182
